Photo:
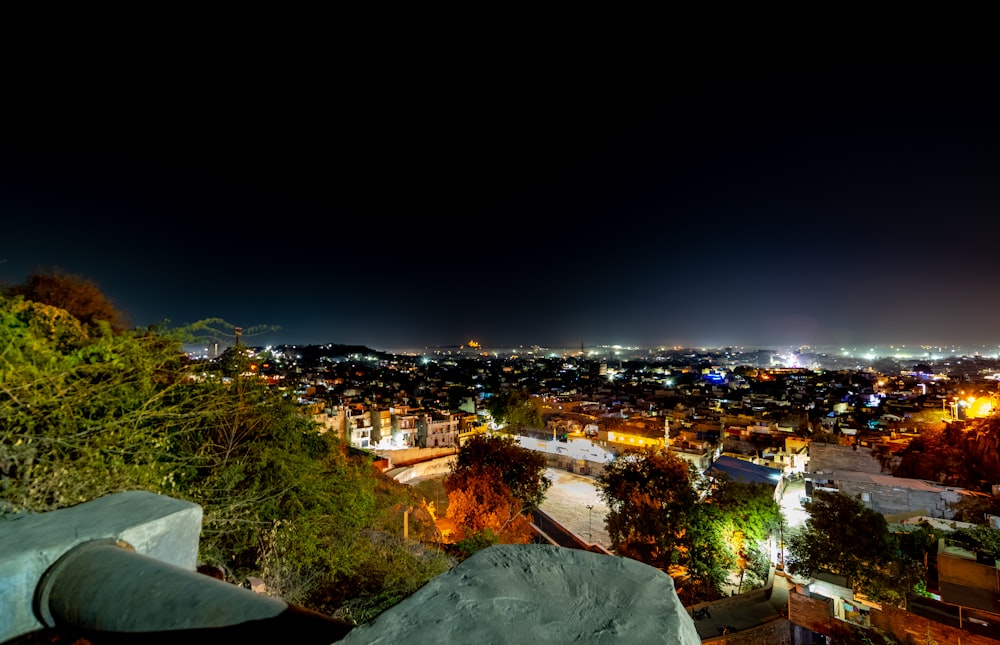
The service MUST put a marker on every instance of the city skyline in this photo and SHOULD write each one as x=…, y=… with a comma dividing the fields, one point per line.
x=824, y=206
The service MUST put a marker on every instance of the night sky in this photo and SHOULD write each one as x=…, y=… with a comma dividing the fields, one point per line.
x=441, y=198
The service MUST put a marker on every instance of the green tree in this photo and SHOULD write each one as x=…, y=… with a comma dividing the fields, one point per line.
x=850, y=634
x=743, y=515
x=709, y=557
x=485, y=509
x=80, y=297
x=516, y=409
x=520, y=469
x=82, y=410
x=844, y=537
x=915, y=548
x=750, y=506
x=492, y=487
x=85, y=412
x=651, y=499
x=977, y=538
x=234, y=361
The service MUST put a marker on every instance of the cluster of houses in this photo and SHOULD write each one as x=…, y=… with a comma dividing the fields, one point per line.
x=755, y=423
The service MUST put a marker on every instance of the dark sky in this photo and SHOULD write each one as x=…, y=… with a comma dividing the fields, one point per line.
x=445, y=197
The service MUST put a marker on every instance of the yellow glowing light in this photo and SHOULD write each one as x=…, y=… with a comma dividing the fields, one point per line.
x=981, y=407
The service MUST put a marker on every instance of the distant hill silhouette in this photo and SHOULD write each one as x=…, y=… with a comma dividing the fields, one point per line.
x=332, y=351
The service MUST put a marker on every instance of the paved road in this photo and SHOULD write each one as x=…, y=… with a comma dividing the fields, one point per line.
x=567, y=500
x=791, y=503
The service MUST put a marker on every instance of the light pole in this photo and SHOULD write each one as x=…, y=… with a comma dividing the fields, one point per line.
x=590, y=514
x=781, y=544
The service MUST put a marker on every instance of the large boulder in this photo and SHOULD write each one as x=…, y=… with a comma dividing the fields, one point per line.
x=535, y=593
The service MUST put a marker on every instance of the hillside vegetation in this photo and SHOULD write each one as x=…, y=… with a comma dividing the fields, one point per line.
x=88, y=409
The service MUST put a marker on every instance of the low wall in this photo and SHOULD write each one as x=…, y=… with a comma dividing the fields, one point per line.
x=812, y=613
x=761, y=594
x=440, y=466
x=410, y=456
x=154, y=525
x=906, y=625
x=776, y=632
x=555, y=533
x=578, y=466
x=432, y=468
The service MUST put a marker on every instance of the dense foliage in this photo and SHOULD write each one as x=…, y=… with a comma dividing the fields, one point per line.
x=493, y=485
x=729, y=532
x=844, y=537
x=83, y=411
x=521, y=470
x=80, y=297
x=86, y=410
x=650, y=498
x=965, y=456
x=977, y=538
x=661, y=512
x=516, y=409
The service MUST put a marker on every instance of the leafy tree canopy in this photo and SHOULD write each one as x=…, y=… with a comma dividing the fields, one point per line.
x=85, y=412
x=78, y=296
x=650, y=498
x=749, y=506
x=730, y=529
x=492, y=485
x=520, y=469
x=482, y=505
x=844, y=537
x=977, y=538
x=953, y=455
x=516, y=409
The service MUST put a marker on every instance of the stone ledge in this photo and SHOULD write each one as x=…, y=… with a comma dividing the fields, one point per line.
x=155, y=525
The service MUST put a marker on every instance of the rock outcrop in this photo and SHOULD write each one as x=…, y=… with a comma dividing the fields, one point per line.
x=536, y=593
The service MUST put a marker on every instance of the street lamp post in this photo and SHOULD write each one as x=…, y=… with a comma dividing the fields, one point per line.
x=781, y=544
x=590, y=514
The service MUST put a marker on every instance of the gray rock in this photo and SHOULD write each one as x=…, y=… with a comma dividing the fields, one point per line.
x=536, y=593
